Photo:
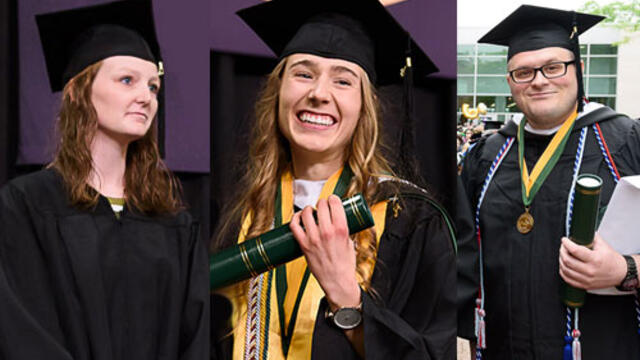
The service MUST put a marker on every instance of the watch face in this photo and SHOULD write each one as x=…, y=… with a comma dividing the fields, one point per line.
x=630, y=285
x=347, y=318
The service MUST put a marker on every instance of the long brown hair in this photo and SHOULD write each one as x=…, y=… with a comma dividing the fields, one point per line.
x=269, y=157
x=150, y=187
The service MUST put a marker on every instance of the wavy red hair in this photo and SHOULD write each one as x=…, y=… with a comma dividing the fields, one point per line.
x=150, y=187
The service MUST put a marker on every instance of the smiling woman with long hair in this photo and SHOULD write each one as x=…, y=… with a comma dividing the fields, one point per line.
x=98, y=259
x=386, y=292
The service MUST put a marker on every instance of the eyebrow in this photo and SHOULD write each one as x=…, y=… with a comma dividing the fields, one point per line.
x=334, y=68
x=547, y=62
x=342, y=69
x=137, y=73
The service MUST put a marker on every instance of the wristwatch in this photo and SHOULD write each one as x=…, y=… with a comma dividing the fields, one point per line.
x=345, y=318
x=630, y=281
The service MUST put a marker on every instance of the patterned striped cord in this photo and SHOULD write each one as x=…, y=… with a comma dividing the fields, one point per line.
x=480, y=330
x=253, y=320
x=638, y=311
x=265, y=303
x=492, y=170
x=569, y=322
x=576, y=170
x=605, y=153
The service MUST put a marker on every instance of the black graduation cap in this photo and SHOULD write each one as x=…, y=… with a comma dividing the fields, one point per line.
x=492, y=124
x=532, y=28
x=360, y=31
x=74, y=39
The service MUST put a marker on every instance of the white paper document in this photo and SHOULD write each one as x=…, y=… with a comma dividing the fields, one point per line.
x=620, y=226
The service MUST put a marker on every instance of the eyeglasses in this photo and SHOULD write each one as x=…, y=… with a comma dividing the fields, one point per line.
x=552, y=70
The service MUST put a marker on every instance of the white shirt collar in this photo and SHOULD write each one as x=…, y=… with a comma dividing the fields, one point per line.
x=589, y=107
x=307, y=192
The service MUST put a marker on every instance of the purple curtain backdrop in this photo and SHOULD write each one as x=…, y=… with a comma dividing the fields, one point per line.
x=432, y=23
x=184, y=39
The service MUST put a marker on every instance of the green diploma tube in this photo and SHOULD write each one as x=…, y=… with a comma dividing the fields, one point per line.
x=583, y=227
x=274, y=248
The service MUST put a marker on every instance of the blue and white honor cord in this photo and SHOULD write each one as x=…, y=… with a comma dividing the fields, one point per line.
x=572, y=347
x=480, y=331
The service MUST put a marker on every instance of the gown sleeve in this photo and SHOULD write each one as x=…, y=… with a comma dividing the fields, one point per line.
x=29, y=324
x=411, y=311
x=195, y=315
x=418, y=319
x=628, y=154
x=467, y=264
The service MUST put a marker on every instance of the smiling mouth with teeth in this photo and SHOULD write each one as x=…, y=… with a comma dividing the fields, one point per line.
x=323, y=120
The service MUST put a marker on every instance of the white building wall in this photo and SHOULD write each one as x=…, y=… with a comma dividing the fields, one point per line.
x=628, y=85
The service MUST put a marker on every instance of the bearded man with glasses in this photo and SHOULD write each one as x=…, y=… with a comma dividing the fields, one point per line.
x=519, y=184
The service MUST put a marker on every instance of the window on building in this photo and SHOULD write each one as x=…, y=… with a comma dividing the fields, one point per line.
x=492, y=65
x=466, y=65
x=492, y=85
x=602, y=86
x=494, y=50
x=603, y=49
x=466, y=84
x=603, y=65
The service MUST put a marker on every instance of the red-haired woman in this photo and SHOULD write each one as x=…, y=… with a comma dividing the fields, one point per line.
x=98, y=259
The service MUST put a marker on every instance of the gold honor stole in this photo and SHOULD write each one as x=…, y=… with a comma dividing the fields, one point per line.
x=256, y=319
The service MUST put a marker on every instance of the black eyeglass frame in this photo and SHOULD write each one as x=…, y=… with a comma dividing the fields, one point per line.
x=541, y=70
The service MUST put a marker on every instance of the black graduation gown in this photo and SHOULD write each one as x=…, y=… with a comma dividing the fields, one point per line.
x=525, y=318
x=413, y=315
x=84, y=285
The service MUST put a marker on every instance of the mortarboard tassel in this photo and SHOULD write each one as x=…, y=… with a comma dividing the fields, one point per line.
x=160, y=116
x=576, y=53
x=409, y=168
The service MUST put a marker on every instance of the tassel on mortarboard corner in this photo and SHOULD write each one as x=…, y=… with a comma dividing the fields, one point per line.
x=408, y=163
x=160, y=116
x=578, y=65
